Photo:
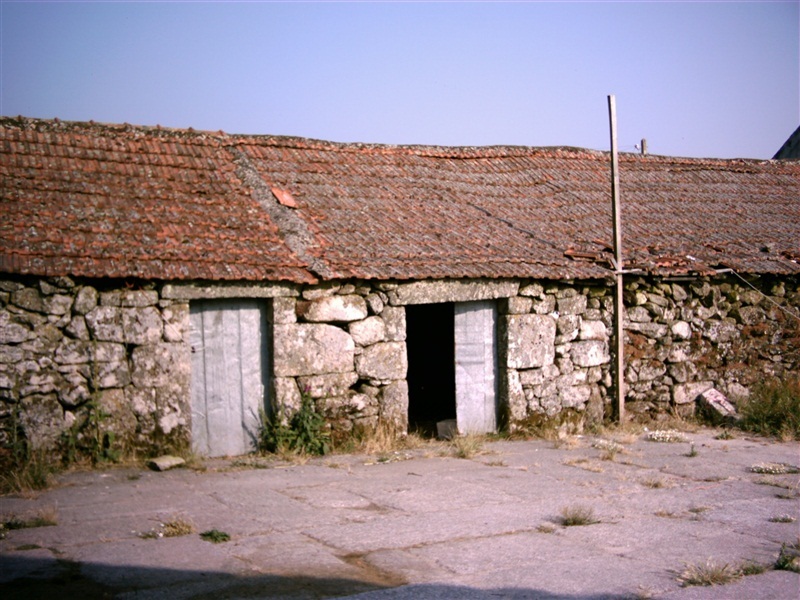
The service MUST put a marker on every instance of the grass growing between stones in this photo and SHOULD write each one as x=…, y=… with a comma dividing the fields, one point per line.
x=44, y=517
x=654, y=483
x=467, y=446
x=708, y=573
x=576, y=516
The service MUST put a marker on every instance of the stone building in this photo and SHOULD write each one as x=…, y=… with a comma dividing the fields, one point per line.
x=175, y=285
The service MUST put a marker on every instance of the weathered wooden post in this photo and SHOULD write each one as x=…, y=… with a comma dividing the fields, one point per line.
x=619, y=374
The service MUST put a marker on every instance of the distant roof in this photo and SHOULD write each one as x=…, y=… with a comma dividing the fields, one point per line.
x=791, y=147
x=124, y=201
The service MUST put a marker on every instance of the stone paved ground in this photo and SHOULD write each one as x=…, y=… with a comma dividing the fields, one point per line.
x=420, y=524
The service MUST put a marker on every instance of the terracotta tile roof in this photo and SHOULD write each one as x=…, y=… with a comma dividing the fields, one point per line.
x=120, y=201
x=144, y=202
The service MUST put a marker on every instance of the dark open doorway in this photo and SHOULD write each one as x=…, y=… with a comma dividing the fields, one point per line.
x=431, y=366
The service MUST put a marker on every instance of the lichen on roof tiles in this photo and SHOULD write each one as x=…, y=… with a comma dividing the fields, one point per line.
x=124, y=201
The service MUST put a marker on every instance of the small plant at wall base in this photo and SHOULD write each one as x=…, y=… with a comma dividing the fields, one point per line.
x=304, y=433
x=773, y=408
x=87, y=438
x=21, y=466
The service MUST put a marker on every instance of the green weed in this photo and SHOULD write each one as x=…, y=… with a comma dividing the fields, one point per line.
x=215, y=536
x=789, y=557
x=305, y=432
x=773, y=408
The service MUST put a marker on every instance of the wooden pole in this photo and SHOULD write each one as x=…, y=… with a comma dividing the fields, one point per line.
x=619, y=363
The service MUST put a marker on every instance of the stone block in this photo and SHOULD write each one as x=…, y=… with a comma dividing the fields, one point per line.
x=714, y=406
x=42, y=419
x=333, y=309
x=142, y=325
x=77, y=328
x=157, y=365
x=105, y=323
x=119, y=417
x=430, y=292
x=334, y=384
x=592, y=330
x=516, y=305
x=111, y=375
x=533, y=290
x=720, y=331
x=572, y=305
x=393, y=400
x=29, y=299
x=394, y=317
x=567, y=327
x=367, y=332
x=375, y=303
x=284, y=311
x=58, y=304
x=681, y=330
x=590, y=353
x=11, y=332
x=138, y=298
x=165, y=463
x=530, y=340
x=176, y=322
x=85, y=300
x=383, y=361
x=749, y=315
x=321, y=290
x=511, y=389
x=545, y=306
x=638, y=314
x=688, y=392
x=311, y=349
x=286, y=397
x=574, y=396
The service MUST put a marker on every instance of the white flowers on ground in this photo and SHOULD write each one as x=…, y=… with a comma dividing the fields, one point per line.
x=666, y=435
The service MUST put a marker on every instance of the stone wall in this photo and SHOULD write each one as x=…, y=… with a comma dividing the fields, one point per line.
x=344, y=346
x=684, y=337
x=72, y=349
x=555, y=353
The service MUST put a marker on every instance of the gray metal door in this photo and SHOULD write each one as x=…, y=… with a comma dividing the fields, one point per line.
x=229, y=341
x=476, y=366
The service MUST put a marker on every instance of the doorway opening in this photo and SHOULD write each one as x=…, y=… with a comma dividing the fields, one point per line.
x=431, y=366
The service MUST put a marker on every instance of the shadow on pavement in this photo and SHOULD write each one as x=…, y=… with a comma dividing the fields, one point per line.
x=35, y=578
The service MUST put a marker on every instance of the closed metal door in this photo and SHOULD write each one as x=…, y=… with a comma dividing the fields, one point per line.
x=229, y=341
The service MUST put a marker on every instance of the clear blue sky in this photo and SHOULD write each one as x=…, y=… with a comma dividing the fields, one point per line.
x=717, y=79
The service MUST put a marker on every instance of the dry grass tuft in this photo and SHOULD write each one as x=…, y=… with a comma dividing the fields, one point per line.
x=583, y=463
x=467, y=446
x=174, y=527
x=575, y=516
x=708, y=573
x=654, y=483
x=177, y=526
x=44, y=517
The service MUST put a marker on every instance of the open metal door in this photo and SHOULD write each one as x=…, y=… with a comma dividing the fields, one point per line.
x=476, y=366
x=229, y=340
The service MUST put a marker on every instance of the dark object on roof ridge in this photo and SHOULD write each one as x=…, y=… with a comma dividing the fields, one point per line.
x=790, y=148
